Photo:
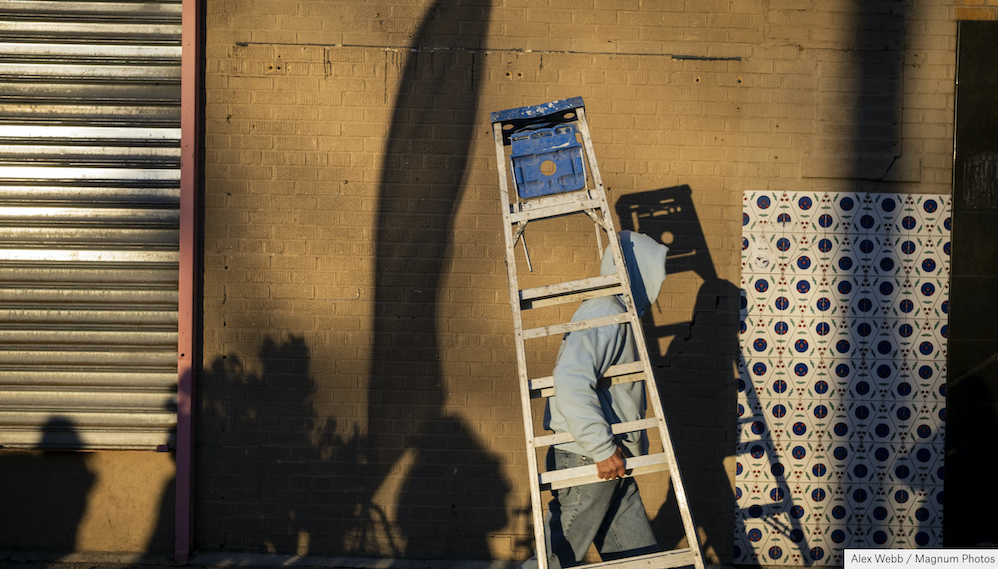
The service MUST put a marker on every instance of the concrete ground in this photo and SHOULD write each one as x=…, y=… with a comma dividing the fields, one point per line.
x=20, y=560
x=43, y=560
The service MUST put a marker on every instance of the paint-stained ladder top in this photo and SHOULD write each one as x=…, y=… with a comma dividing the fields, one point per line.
x=537, y=111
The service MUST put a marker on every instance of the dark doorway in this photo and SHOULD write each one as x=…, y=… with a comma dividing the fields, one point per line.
x=972, y=398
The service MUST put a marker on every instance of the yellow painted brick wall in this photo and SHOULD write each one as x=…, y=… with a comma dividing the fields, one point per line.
x=976, y=9
x=58, y=502
x=358, y=394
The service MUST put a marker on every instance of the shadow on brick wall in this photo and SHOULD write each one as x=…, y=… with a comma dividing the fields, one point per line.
x=44, y=495
x=413, y=481
x=284, y=479
x=878, y=59
x=695, y=373
x=454, y=494
x=258, y=461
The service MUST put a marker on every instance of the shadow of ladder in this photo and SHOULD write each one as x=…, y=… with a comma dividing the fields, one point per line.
x=772, y=511
x=671, y=214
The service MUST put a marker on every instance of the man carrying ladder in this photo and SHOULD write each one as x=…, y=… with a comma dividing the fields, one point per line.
x=602, y=380
x=609, y=514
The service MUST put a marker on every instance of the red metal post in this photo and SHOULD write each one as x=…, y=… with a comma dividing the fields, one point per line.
x=190, y=138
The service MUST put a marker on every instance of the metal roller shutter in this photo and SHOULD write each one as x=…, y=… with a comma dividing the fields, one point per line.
x=89, y=223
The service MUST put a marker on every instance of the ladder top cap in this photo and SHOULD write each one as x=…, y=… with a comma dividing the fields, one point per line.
x=537, y=112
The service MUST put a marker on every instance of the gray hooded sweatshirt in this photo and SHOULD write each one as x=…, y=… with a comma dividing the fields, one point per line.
x=581, y=408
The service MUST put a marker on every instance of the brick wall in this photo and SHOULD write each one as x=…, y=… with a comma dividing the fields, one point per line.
x=57, y=502
x=976, y=9
x=358, y=395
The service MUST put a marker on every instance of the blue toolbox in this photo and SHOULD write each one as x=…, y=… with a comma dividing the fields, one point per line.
x=547, y=160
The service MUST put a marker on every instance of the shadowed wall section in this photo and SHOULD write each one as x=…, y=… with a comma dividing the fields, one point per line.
x=56, y=502
x=422, y=171
x=300, y=450
x=694, y=360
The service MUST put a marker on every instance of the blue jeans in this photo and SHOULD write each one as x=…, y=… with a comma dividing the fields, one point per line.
x=609, y=514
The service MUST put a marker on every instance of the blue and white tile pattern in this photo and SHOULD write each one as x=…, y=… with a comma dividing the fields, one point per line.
x=842, y=391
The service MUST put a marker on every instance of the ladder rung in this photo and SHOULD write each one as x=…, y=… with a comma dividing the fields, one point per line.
x=582, y=475
x=661, y=560
x=562, y=204
x=552, y=200
x=617, y=374
x=575, y=326
x=584, y=289
x=616, y=428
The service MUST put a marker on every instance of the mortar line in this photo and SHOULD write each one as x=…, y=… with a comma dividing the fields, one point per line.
x=674, y=56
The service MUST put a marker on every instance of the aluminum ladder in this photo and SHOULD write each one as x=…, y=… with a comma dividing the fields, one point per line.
x=542, y=143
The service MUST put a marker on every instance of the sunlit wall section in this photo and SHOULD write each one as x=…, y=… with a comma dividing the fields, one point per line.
x=842, y=379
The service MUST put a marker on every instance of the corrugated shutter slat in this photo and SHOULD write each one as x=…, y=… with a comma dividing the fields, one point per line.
x=89, y=223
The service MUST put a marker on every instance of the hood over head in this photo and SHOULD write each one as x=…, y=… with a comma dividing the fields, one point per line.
x=645, y=260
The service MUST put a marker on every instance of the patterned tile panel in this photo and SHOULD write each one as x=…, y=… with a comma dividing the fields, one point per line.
x=842, y=389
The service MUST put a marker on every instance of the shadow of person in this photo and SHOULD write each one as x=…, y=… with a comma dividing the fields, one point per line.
x=698, y=367
x=695, y=374
x=45, y=494
x=454, y=477
x=161, y=540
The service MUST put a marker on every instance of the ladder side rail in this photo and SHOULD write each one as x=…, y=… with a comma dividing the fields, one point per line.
x=608, y=225
x=639, y=340
x=587, y=143
x=678, y=487
x=521, y=358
